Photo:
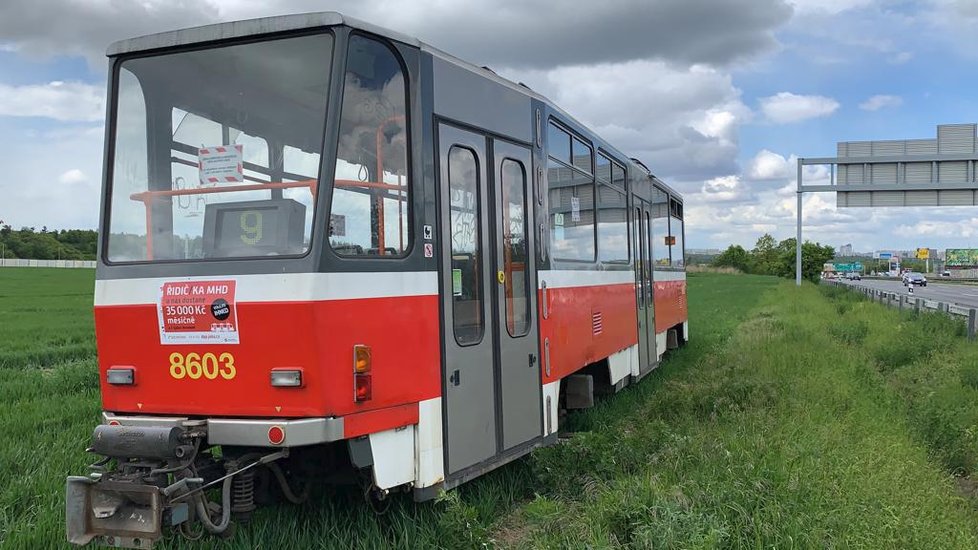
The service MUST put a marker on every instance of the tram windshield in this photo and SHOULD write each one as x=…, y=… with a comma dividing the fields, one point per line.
x=216, y=152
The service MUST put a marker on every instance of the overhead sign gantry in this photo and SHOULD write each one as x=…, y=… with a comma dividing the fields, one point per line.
x=912, y=172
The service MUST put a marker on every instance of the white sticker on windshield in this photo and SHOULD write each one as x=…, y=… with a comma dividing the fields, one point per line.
x=221, y=164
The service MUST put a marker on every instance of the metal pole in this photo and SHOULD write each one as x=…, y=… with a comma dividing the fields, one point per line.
x=971, y=323
x=798, y=243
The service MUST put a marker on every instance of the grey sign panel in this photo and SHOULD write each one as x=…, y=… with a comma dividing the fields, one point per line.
x=916, y=172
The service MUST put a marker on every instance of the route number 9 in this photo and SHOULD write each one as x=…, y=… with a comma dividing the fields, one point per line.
x=251, y=227
x=209, y=366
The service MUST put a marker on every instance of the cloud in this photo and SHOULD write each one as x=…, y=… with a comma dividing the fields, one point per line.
x=878, y=102
x=723, y=189
x=832, y=7
x=769, y=166
x=65, y=101
x=70, y=27
x=73, y=176
x=900, y=58
x=580, y=33
x=682, y=122
x=786, y=107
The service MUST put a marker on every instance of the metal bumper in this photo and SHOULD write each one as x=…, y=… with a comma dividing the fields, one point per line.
x=246, y=432
x=125, y=515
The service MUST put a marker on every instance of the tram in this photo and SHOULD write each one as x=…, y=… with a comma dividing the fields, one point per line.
x=331, y=251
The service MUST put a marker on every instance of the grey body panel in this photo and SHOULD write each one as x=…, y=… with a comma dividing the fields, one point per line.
x=518, y=358
x=647, y=328
x=501, y=110
x=646, y=346
x=468, y=377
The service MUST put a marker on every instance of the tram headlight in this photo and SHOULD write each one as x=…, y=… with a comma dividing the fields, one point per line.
x=121, y=376
x=287, y=378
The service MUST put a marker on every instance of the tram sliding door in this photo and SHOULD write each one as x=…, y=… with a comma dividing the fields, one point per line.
x=491, y=376
x=642, y=245
x=519, y=373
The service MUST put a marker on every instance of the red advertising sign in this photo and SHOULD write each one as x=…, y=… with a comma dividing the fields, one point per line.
x=198, y=312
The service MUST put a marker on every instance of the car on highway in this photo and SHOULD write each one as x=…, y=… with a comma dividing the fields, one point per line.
x=945, y=273
x=853, y=276
x=914, y=279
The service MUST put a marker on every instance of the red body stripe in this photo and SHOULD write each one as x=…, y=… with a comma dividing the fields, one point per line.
x=670, y=304
x=379, y=420
x=573, y=343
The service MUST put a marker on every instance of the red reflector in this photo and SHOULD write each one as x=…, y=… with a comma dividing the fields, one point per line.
x=362, y=387
x=276, y=435
x=114, y=423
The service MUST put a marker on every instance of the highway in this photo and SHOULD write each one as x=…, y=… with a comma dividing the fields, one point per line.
x=962, y=294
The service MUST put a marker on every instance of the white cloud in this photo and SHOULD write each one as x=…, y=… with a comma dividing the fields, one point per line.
x=878, y=102
x=769, y=166
x=682, y=122
x=786, y=107
x=723, y=188
x=831, y=7
x=73, y=176
x=900, y=58
x=65, y=101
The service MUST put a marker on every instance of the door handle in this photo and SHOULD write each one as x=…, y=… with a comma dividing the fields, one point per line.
x=455, y=378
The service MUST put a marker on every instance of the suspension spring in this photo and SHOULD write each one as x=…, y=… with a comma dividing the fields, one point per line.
x=243, y=495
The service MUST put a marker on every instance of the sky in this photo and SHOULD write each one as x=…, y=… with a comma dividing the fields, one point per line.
x=718, y=97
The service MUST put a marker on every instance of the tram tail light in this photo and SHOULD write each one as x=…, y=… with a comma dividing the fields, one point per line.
x=363, y=387
x=362, y=382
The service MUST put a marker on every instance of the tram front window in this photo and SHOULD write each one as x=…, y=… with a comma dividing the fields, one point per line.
x=215, y=153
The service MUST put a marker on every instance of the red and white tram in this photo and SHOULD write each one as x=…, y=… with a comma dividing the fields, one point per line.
x=326, y=244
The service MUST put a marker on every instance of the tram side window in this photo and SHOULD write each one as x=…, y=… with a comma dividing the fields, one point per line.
x=612, y=225
x=463, y=181
x=571, y=197
x=660, y=228
x=517, y=286
x=678, y=251
x=370, y=213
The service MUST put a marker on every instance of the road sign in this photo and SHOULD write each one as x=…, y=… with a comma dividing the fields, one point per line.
x=923, y=253
x=883, y=255
x=849, y=267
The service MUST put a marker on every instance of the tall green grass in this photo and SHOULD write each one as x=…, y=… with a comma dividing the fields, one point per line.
x=778, y=425
x=929, y=364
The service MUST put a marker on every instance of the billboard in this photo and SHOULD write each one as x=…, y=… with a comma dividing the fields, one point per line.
x=923, y=253
x=961, y=257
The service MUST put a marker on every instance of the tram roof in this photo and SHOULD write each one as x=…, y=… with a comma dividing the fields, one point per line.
x=283, y=23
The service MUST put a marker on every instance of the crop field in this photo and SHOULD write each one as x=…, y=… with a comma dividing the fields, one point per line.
x=803, y=418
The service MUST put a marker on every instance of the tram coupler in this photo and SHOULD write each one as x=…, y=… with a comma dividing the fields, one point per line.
x=129, y=505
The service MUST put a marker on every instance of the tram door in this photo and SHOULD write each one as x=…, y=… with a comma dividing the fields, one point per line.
x=642, y=239
x=492, y=372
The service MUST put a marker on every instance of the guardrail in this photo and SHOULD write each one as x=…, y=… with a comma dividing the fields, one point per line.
x=69, y=264
x=912, y=303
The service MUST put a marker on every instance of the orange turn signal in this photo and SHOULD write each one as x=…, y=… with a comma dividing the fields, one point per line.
x=361, y=358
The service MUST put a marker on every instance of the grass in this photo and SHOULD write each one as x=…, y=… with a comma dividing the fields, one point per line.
x=794, y=418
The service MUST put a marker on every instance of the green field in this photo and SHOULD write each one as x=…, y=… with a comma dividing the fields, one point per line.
x=794, y=418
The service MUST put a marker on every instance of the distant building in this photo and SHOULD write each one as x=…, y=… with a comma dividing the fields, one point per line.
x=704, y=251
x=845, y=250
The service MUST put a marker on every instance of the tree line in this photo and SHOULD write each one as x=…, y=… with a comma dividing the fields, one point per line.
x=770, y=257
x=29, y=243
